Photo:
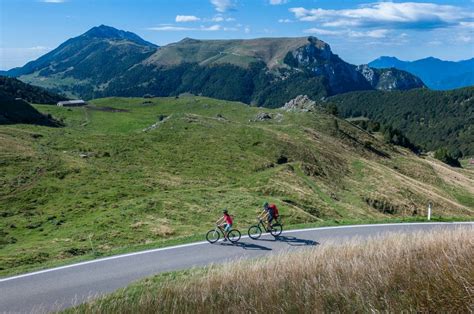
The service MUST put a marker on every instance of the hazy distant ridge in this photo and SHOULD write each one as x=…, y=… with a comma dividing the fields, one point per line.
x=435, y=73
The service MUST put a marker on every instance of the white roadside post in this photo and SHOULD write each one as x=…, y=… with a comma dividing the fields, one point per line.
x=429, y=210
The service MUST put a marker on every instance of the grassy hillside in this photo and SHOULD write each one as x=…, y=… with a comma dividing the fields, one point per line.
x=431, y=119
x=19, y=111
x=129, y=172
x=13, y=88
x=14, y=106
x=238, y=52
x=425, y=272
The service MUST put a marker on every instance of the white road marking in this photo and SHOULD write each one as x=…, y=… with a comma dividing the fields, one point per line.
x=205, y=242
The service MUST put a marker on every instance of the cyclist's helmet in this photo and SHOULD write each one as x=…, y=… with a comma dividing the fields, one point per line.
x=224, y=211
x=265, y=205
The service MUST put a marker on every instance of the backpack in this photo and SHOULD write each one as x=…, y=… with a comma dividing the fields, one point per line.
x=274, y=210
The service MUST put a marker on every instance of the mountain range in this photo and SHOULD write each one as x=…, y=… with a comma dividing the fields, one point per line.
x=106, y=61
x=435, y=73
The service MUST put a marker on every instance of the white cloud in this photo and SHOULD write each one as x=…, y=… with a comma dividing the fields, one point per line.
x=377, y=33
x=14, y=57
x=469, y=25
x=387, y=14
x=37, y=48
x=435, y=43
x=319, y=31
x=170, y=28
x=186, y=18
x=247, y=30
x=464, y=38
x=217, y=19
x=278, y=2
x=284, y=21
x=220, y=18
x=211, y=28
x=202, y=28
x=223, y=5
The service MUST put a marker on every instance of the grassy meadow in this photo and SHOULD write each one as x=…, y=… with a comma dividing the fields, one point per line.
x=106, y=182
x=419, y=272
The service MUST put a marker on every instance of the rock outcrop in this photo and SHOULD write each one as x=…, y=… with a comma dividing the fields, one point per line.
x=301, y=103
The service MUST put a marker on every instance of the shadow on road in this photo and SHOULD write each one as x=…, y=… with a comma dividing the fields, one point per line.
x=293, y=241
x=246, y=246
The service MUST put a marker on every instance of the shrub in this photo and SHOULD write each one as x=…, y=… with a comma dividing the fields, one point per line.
x=446, y=157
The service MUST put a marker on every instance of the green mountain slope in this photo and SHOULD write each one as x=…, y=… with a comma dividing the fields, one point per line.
x=265, y=71
x=238, y=52
x=108, y=62
x=19, y=111
x=14, y=106
x=14, y=88
x=131, y=172
x=431, y=119
x=84, y=65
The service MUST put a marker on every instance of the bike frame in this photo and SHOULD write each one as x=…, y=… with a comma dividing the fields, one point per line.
x=263, y=224
x=221, y=229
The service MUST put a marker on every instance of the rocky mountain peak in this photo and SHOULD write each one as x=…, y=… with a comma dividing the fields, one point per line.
x=315, y=53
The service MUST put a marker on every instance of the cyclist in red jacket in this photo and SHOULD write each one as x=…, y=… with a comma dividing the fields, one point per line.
x=225, y=221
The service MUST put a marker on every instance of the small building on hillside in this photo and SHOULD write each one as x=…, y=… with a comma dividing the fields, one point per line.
x=71, y=103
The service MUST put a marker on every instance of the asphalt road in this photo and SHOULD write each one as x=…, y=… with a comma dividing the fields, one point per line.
x=62, y=287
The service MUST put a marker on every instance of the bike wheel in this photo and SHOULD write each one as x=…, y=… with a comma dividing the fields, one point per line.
x=255, y=232
x=212, y=236
x=233, y=235
x=276, y=230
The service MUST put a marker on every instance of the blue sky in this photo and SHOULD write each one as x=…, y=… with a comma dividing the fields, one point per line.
x=359, y=31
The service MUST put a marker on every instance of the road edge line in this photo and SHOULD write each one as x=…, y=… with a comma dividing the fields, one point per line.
x=205, y=242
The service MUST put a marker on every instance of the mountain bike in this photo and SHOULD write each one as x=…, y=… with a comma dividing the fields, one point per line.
x=255, y=231
x=212, y=236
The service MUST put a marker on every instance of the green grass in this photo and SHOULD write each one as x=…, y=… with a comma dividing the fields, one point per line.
x=140, y=189
x=465, y=163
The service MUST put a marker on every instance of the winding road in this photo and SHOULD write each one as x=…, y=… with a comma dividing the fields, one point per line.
x=66, y=286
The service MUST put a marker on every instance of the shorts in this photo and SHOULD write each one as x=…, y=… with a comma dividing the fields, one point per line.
x=270, y=217
x=227, y=227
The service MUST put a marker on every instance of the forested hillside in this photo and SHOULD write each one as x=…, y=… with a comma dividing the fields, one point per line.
x=430, y=119
x=14, y=106
x=11, y=87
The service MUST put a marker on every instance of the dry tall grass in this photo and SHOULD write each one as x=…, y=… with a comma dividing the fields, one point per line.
x=427, y=272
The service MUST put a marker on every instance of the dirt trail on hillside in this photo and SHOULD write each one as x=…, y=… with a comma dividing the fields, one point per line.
x=426, y=189
x=451, y=176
